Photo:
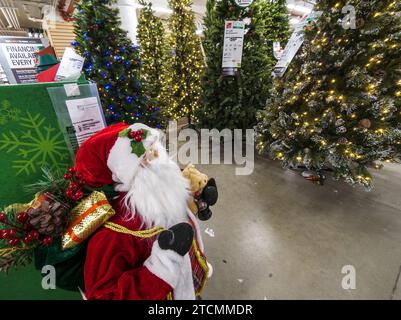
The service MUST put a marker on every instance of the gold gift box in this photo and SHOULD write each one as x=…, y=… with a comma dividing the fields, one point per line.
x=90, y=214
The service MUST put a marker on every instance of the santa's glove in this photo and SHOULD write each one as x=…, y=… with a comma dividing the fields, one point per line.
x=178, y=238
x=209, y=193
x=208, y=198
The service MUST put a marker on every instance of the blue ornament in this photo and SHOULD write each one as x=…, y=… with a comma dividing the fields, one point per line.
x=118, y=58
x=107, y=53
x=103, y=74
x=138, y=114
x=108, y=64
x=122, y=78
x=107, y=86
x=129, y=99
x=127, y=63
x=158, y=126
x=74, y=43
x=110, y=107
x=123, y=49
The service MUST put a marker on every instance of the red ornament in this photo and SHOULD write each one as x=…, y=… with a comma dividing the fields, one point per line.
x=13, y=242
x=138, y=138
x=22, y=217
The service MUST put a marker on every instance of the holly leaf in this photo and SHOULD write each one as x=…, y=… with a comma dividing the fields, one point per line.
x=137, y=148
x=124, y=133
x=145, y=133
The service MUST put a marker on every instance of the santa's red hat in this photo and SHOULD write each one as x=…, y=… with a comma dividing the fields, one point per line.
x=112, y=155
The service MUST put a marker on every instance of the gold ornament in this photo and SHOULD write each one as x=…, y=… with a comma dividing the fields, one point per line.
x=90, y=214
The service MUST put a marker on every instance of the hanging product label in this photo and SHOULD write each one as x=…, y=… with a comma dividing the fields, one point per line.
x=70, y=66
x=293, y=45
x=86, y=117
x=17, y=56
x=243, y=3
x=233, y=46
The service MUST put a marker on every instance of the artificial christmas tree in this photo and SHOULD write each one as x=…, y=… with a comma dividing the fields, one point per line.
x=184, y=64
x=339, y=102
x=153, y=51
x=232, y=101
x=112, y=61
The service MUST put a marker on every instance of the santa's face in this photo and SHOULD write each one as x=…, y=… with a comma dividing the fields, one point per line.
x=158, y=193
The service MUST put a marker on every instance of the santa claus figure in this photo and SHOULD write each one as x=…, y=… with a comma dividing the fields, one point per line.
x=152, y=248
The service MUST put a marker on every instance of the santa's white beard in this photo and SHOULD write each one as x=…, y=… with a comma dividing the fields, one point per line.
x=159, y=194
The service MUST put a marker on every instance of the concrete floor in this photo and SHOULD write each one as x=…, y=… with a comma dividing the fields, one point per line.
x=278, y=236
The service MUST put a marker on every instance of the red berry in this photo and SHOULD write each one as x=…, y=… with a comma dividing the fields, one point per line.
x=79, y=194
x=138, y=138
x=139, y=132
x=11, y=233
x=79, y=176
x=13, y=242
x=3, y=217
x=22, y=217
x=73, y=186
x=71, y=170
x=34, y=235
x=132, y=134
x=47, y=240
x=26, y=240
x=67, y=176
x=2, y=233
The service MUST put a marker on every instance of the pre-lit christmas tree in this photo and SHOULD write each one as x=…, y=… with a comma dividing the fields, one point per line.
x=339, y=103
x=112, y=61
x=184, y=64
x=232, y=101
x=152, y=40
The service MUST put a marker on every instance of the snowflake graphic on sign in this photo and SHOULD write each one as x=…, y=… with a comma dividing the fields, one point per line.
x=8, y=113
x=36, y=144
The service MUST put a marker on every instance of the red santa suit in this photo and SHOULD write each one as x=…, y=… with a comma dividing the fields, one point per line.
x=124, y=260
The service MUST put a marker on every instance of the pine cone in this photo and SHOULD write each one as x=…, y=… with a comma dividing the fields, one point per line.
x=50, y=216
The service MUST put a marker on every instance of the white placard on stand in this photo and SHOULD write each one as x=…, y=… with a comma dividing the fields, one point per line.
x=86, y=117
x=233, y=46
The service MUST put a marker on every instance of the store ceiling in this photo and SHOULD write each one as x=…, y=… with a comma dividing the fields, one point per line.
x=23, y=14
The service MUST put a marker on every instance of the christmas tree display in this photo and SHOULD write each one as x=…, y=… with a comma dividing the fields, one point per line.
x=184, y=64
x=232, y=101
x=339, y=103
x=112, y=61
x=153, y=50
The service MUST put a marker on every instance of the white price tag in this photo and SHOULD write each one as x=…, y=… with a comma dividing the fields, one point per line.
x=71, y=89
